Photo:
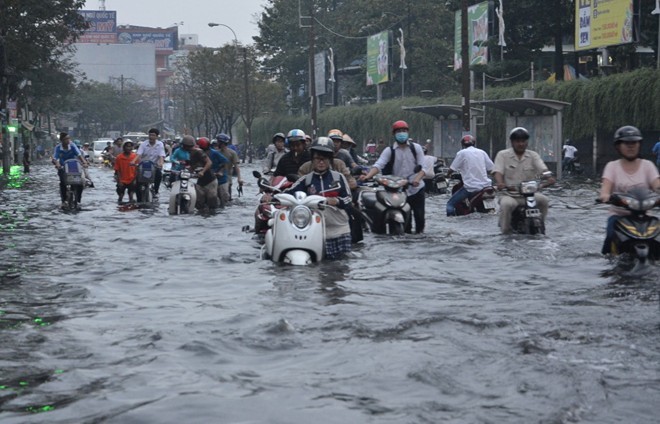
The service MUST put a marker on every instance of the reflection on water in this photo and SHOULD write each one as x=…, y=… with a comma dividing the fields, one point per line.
x=115, y=315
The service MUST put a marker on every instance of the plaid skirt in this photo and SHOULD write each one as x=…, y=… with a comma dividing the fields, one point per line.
x=336, y=247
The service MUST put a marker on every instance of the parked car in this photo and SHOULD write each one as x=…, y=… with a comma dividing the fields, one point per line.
x=98, y=146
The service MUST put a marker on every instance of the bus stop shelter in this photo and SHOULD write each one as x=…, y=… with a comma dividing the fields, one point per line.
x=447, y=127
x=541, y=117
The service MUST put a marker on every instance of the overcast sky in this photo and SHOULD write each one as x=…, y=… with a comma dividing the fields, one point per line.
x=240, y=15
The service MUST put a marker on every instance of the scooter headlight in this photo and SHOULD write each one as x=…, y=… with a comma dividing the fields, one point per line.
x=301, y=216
x=529, y=187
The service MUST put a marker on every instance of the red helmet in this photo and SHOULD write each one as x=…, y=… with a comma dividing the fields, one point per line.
x=468, y=141
x=203, y=143
x=399, y=125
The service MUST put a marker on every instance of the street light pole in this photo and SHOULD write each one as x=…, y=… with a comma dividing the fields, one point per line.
x=247, y=113
x=656, y=11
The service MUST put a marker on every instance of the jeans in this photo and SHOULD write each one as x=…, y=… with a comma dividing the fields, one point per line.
x=457, y=198
x=609, y=234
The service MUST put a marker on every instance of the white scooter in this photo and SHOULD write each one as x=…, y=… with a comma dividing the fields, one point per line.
x=297, y=231
x=183, y=195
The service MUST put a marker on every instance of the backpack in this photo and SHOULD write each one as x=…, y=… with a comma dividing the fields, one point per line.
x=387, y=169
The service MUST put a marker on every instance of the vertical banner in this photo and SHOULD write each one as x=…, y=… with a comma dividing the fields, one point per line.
x=319, y=73
x=477, y=35
x=378, y=61
x=602, y=23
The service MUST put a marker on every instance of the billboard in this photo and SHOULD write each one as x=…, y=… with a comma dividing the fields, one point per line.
x=477, y=35
x=378, y=59
x=319, y=73
x=109, y=63
x=103, y=27
x=602, y=23
x=163, y=40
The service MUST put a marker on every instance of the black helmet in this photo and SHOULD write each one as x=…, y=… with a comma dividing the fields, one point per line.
x=627, y=133
x=323, y=145
x=519, y=133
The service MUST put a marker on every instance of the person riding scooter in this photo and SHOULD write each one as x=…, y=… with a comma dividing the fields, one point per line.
x=474, y=165
x=333, y=186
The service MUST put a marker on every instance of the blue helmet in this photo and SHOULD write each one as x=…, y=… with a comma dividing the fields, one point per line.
x=223, y=138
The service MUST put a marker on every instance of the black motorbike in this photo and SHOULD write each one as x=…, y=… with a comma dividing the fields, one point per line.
x=527, y=218
x=438, y=184
x=482, y=201
x=637, y=234
x=384, y=206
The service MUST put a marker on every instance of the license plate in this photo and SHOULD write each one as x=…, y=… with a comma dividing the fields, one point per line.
x=441, y=184
x=489, y=203
x=532, y=213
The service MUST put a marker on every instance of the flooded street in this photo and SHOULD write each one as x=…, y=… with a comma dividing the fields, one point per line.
x=135, y=316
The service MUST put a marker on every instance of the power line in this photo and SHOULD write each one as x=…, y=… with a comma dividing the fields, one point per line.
x=352, y=37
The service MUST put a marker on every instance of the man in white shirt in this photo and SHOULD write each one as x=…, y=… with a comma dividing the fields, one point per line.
x=153, y=150
x=569, y=152
x=474, y=165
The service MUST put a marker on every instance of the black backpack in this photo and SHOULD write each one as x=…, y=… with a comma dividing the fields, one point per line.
x=387, y=170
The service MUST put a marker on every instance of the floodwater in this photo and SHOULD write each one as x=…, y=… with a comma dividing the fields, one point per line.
x=134, y=316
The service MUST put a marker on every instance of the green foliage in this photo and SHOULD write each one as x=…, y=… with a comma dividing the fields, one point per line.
x=601, y=104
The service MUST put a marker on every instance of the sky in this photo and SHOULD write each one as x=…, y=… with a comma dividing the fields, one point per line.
x=192, y=16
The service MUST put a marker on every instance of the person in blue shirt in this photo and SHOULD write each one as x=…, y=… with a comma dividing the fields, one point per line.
x=63, y=152
x=180, y=158
x=656, y=152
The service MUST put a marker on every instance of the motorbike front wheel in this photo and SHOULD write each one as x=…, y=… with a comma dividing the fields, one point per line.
x=71, y=199
x=396, y=228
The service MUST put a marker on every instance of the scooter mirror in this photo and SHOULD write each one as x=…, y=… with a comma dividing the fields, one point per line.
x=256, y=174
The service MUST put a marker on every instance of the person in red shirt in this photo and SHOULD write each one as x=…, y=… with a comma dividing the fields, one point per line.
x=125, y=172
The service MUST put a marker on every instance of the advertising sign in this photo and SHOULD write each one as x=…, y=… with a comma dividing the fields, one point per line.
x=477, y=35
x=162, y=40
x=602, y=23
x=103, y=27
x=319, y=73
x=378, y=61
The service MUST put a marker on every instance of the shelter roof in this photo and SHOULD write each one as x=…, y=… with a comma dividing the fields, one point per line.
x=441, y=111
x=522, y=104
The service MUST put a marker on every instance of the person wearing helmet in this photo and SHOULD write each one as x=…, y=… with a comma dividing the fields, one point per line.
x=628, y=172
x=63, y=152
x=401, y=160
x=275, y=154
x=297, y=155
x=474, y=165
x=231, y=167
x=568, y=152
x=337, y=138
x=125, y=172
x=350, y=146
x=207, y=181
x=320, y=182
x=181, y=157
x=513, y=166
x=153, y=150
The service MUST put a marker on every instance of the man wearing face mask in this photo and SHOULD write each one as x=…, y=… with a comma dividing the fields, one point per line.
x=400, y=160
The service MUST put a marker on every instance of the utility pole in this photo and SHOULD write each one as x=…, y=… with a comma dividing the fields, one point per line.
x=248, y=110
x=465, y=68
x=312, y=76
x=3, y=97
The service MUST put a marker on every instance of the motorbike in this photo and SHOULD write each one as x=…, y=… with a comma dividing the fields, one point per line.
x=73, y=179
x=438, y=184
x=167, y=171
x=146, y=175
x=573, y=167
x=384, y=206
x=637, y=234
x=527, y=218
x=297, y=230
x=183, y=196
x=266, y=208
x=482, y=201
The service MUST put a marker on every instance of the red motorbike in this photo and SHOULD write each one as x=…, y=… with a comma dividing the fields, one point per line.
x=482, y=201
x=266, y=208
